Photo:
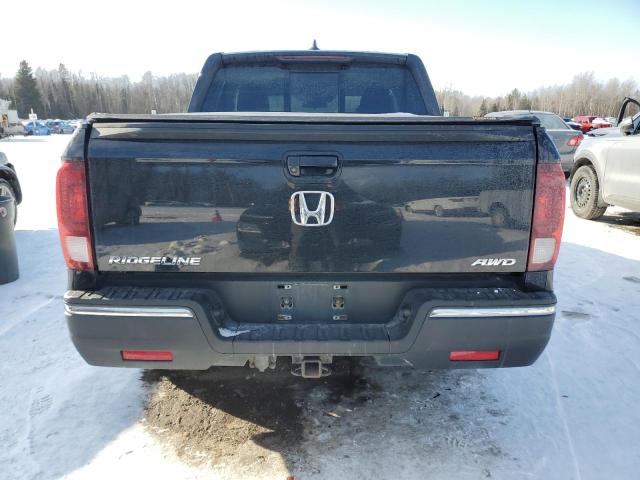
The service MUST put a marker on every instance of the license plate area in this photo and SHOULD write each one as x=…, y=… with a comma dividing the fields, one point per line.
x=311, y=302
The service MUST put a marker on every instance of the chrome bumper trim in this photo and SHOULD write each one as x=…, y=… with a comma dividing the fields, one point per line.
x=173, y=312
x=466, y=312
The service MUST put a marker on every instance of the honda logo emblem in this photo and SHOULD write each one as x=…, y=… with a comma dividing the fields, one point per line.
x=303, y=216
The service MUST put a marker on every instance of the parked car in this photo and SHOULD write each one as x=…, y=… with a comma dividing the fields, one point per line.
x=573, y=125
x=60, y=126
x=607, y=168
x=9, y=184
x=12, y=129
x=601, y=123
x=36, y=128
x=586, y=122
x=53, y=126
x=257, y=234
x=602, y=132
x=66, y=127
x=564, y=138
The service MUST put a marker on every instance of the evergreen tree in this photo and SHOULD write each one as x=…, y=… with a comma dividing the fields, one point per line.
x=26, y=91
x=513, y=99
x=483, y=108
x=524, y=103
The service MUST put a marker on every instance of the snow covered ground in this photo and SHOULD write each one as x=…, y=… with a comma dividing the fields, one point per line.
x=573, y=415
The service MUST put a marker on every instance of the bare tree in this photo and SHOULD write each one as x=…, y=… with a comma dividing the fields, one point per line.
x=584, y=95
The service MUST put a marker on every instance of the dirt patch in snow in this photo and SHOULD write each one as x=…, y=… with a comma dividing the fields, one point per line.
x=239, y=415
x=247, y=424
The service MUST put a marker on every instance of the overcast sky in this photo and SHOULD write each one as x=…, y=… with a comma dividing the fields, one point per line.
x=479, y=47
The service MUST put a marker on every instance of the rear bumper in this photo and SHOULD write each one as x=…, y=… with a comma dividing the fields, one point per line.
x=192, y=324
x=566, y=161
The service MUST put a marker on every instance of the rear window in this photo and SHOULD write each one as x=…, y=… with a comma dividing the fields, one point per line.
x=552, y=122
x=353, y=89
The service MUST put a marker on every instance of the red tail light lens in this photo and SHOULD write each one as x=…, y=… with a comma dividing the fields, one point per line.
x=575, y=140
x=474, y=355
x=147, y=355
x=73, y=216
x=548, y=217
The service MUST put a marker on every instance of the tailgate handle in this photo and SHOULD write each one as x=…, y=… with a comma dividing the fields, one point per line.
x=312, y=165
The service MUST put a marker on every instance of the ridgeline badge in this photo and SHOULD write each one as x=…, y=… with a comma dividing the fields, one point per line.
x=165, y=261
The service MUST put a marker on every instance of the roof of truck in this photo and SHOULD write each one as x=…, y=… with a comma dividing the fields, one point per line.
x=314, y=55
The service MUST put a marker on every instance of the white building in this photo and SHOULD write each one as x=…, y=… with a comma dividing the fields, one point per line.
x=9, y=121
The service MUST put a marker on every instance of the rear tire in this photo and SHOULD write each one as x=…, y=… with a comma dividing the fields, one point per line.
x=584, y=192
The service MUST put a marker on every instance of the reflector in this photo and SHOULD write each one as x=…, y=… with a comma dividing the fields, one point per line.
x=474, y=355
x=147, y=355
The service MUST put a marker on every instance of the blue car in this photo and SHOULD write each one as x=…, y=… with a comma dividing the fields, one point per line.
x=66, y=127
x=36, y=128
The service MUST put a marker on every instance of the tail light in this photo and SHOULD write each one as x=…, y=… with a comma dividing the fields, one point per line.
x=548, y=217
x=73, y=216
x=575, y=141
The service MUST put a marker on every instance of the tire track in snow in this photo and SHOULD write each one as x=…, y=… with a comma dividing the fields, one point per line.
x=563, y=416
x=20, y=318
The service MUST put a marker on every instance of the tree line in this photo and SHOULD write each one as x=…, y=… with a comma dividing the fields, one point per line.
x=63, y=94
x=584, y=95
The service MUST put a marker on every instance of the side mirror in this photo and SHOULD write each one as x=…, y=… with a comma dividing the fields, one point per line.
x=626, y=126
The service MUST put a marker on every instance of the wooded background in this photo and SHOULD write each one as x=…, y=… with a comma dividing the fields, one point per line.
x=64, y=94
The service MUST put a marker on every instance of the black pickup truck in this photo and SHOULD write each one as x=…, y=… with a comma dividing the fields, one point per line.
x=310, y=205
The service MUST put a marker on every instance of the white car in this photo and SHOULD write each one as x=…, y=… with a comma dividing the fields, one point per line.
x=606, y=169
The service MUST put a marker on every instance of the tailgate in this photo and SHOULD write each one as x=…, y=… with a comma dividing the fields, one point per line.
x=309, y=194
